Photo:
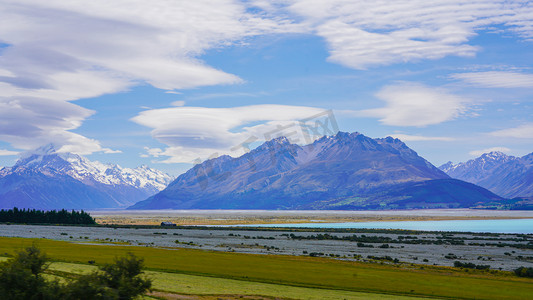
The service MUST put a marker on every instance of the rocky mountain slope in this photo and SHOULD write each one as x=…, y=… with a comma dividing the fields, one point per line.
x=344, y=171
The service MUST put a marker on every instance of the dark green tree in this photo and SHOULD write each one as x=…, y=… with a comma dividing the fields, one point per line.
x=89, y=287
x=524, y=272
x=124, y=277
x=21, y=278
x=33, y=216
x=121, y=280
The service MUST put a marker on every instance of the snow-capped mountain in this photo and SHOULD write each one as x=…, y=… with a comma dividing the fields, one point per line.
x=476, y=169
x=344, y=171
x=28, y=183
x=507, y=176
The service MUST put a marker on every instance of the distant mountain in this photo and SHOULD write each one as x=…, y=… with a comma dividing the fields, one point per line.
x=46, y=179
x=344, y=171
x=507, y=176
x=476, y=169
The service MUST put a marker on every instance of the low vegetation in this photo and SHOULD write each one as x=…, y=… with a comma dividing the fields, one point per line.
x=468, y=265
x=524, y=272
x=443, y=239
x=298, y=271
x=22, y=277
x=172, y=285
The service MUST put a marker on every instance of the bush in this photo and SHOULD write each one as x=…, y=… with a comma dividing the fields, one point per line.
x=21, y=278
x=459, y=264
x=524, y=272
x=450, y=256
x=120, y=280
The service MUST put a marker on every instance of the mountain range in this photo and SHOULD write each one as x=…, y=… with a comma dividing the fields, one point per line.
x=45, y=179
x=507, y=176
x=343, y=171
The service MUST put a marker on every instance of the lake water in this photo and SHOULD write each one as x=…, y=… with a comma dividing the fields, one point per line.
x=524, y=226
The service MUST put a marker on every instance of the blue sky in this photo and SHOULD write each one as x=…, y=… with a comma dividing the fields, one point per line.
x=166, y=83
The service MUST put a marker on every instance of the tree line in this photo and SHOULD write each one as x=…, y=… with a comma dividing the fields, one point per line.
x=33, y=216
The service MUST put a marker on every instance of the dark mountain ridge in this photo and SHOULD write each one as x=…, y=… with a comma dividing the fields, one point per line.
x=344, y=171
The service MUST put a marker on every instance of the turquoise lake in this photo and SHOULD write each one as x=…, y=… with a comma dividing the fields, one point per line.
x=524, y=226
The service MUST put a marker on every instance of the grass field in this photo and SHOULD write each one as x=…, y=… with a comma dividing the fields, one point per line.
x=206, y=272
x=200, y=285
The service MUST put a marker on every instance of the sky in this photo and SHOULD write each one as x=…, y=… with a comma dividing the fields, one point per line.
x=171, y=83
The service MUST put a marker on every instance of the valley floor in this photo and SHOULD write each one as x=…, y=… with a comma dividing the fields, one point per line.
x=198, y=262
x=498, y=251
x=180, y=273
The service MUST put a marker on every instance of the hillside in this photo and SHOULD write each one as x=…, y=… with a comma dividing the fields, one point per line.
x=344, y=171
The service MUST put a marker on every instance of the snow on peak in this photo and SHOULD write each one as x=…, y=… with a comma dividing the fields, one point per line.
x=47, y=160
x=44, y=150
x=282, y=140
x=33, y=156
x=494, y=155
x=447, y=167
x=477, y=169
x=491, y=159
x=141, y=177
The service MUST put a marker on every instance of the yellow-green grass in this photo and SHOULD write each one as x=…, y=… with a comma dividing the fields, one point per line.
x=297, y=271
x=200, y=285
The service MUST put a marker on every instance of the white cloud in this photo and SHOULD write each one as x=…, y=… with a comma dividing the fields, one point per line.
x=496, y=79
x=413, y=104
x=178, y=154
x=59, y=51
x=524, y=131
x=361, y=34
x=111, y=151
x=493, y=149
x=84, y=146
x=360, y=49
x=421, y=138
x=28, y=122
x=199, y=132
x=4, y=152
x=178, y=103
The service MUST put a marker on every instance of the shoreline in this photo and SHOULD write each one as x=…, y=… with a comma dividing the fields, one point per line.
x=251, y=217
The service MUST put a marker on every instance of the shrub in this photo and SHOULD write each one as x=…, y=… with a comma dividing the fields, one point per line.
x=450, y=256
x=524, y=272
x=21, y=278
x=459, y=264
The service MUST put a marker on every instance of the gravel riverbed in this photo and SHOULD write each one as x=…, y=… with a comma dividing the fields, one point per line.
x=499, y=251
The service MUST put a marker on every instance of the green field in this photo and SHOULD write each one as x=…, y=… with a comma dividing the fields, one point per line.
x=201, y=285
x=188, y=271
